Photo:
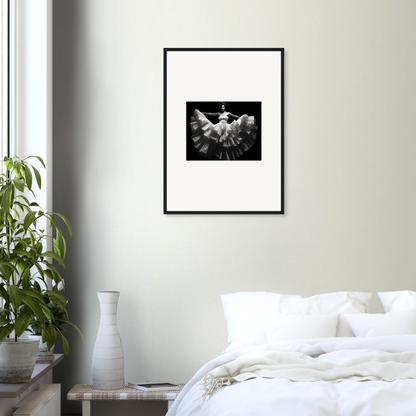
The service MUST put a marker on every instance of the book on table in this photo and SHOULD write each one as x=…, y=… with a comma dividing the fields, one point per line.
x=153, y=386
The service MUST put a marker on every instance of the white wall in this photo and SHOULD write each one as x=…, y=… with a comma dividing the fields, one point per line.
x=350, y=224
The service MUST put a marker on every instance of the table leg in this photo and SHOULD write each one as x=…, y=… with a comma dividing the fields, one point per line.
x=86, y=408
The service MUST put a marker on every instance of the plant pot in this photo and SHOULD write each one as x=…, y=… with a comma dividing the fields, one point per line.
x=44, y=356
x=17, y=360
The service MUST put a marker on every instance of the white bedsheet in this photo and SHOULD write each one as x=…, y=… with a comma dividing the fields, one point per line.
x=279, y=396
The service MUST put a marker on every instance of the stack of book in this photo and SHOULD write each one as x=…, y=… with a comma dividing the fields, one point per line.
x=153, y=386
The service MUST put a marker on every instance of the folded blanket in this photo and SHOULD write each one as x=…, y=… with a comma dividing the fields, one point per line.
x=299, y=367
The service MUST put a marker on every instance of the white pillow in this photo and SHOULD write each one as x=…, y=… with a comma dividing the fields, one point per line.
x=378, y=324
x=328, y=303
x=281, y=327
x=243, y=311
x=397, y=301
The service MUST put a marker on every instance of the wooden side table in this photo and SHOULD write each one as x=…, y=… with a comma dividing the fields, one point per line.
x=88, y=394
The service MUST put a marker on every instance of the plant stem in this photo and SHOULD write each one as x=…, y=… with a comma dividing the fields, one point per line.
x=8, y=238
x=8, y=235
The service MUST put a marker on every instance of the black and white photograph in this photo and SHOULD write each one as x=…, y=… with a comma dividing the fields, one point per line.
x=221, y=130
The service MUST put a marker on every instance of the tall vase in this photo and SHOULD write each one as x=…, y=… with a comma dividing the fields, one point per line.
x=108, y=357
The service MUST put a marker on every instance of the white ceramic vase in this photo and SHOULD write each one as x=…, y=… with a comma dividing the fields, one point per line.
x=17, y=360
x=108, y=357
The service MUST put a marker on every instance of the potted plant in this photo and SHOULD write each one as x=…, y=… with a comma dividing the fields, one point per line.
x=25, y=267
x=39, y=331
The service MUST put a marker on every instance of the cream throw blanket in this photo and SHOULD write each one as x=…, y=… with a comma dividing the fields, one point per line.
x=299, y=367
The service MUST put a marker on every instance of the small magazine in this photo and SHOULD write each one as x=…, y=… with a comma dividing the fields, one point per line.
x=153, y=386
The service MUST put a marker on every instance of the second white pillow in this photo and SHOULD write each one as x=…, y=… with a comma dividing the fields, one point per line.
x=398, y=301
x=379, y=324
x=282, y=327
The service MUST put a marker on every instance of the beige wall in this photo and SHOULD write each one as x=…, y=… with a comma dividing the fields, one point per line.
x=350, y=111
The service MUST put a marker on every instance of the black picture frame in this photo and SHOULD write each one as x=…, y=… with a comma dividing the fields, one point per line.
x=223, y=166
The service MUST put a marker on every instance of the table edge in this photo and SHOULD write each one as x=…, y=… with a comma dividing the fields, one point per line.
x=164, y=395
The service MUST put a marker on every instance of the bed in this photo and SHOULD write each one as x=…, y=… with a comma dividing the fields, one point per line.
x=323, y=355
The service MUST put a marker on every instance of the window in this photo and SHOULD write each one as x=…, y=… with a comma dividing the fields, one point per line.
x=4, y=80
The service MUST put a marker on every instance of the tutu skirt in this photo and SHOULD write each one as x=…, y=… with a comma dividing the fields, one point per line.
x=222, y=140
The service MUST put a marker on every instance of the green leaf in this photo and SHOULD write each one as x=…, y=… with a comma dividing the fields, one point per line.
x=38, y=177
x=34, y=294
x=55, y=256
x=29, y=177
x=19, y=184
x=38, y=158
x=59, y=244
x=11, y=197
x=50, y=218
x=54, y=335
x=24, y=199
x=38, y=248
x=8, y=162
x=65, y=345
x=34, y=306
x=47, y=313
x=26, y=279
x=21, y=323
x=18, y=165
x=11, y=221
x=66, y=221
x=15, y=295
x=4, y=321
x=19, y=205
x=6, y=269
x=40, y=270
x=62, y=305
x=51, y=335
x=32, y=237
x=70, y=323
x=30, y=217
x=6, y=201
x=57, y=295
x=51, y=275
x=46, y=337
x=3, y=293
x=5, y=331
x=53, y=269
x=36, y=286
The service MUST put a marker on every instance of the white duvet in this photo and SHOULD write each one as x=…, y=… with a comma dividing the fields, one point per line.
x=281, y=396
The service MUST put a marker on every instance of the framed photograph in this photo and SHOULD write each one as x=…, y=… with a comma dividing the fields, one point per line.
x=223, y=131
